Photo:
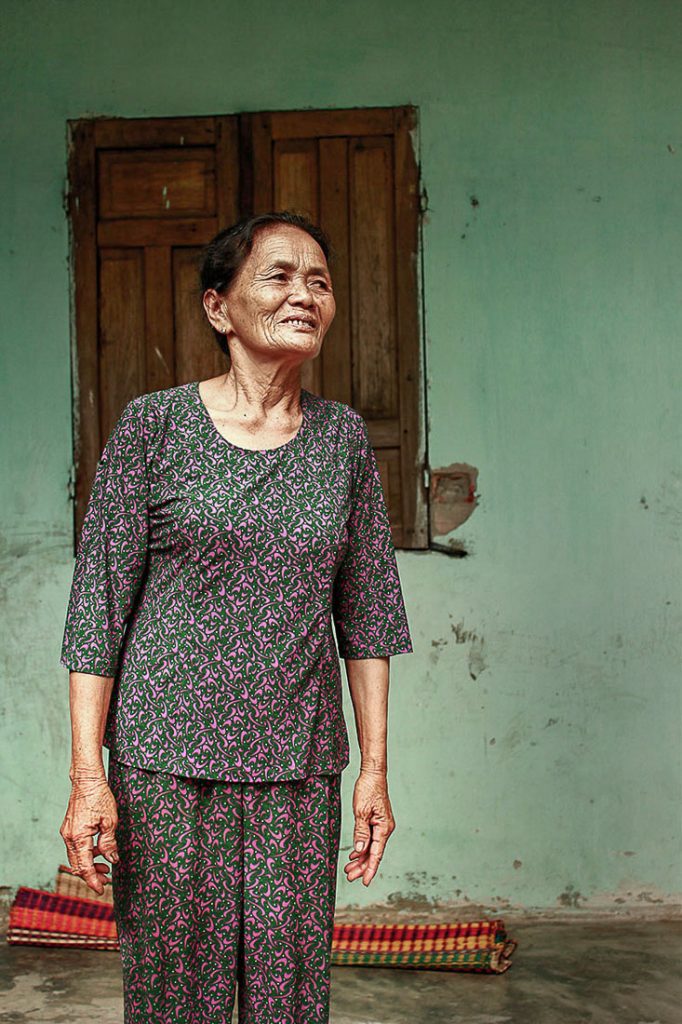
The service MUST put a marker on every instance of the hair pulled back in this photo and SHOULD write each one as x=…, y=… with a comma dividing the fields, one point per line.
x=225, y=254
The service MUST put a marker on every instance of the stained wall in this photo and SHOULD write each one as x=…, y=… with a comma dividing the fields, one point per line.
x=535, y=733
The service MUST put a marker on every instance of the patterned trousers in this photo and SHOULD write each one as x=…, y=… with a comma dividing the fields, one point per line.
x=224, y=887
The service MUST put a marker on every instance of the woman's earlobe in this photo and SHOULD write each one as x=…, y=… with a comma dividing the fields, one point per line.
x=214, y=311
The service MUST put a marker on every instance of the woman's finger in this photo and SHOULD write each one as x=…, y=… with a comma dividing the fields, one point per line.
x=354, y=871
x=107, y=837
x=357, y=867
x=362, y=831
x=85, y=862
x=99, y=866
x=380, y=837
x=102, y=869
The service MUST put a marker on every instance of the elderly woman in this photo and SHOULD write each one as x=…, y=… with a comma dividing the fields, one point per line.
x=230, y=522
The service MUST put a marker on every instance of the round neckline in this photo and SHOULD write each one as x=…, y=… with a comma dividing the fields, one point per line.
x=252, y=451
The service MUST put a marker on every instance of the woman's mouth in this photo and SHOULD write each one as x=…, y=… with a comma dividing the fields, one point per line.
x=299, y=323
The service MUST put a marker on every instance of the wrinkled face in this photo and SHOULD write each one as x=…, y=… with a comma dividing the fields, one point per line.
x=281, y=300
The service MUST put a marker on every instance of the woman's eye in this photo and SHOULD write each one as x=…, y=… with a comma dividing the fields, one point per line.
x=321, y=284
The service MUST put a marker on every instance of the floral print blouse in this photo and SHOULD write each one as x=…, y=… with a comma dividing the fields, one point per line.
x=206, y=581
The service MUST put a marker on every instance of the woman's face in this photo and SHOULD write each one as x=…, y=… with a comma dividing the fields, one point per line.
x=281, y=301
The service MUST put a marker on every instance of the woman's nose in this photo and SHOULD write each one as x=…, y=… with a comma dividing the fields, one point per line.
x=301, y=293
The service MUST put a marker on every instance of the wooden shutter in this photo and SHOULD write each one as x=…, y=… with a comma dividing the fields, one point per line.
x=354, y=173
x=144, y=196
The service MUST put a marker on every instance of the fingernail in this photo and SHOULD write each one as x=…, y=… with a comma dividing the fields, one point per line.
x=359, y=844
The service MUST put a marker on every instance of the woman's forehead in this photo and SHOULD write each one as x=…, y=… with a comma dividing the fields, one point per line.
x=280, y=243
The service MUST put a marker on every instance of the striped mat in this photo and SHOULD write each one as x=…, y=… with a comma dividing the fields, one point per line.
x=460, y=946
x=41, y=918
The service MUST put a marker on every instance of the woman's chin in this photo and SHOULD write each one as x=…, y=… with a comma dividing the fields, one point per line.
x=306, y=346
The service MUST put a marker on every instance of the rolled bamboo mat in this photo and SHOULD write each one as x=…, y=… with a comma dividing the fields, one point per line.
x=457, y=946
x=42, y=918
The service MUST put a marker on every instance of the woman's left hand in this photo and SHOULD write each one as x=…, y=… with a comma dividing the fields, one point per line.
x=374, y=823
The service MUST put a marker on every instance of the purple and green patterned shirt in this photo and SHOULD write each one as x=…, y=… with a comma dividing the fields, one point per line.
x=206, y=581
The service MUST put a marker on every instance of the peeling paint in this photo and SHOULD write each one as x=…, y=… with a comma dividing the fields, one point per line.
x=452, y=496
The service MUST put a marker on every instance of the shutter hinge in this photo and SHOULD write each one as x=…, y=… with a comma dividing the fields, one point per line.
x=423, y=201
x=427, y=477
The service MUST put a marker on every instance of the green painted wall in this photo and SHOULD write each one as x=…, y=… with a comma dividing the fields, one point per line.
x=535, y=734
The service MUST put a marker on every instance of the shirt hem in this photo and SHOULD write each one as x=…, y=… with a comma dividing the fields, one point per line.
x=187, y=771
x=375, y=652
x=105, y=671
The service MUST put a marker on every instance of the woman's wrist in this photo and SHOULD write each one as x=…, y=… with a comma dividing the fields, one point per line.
x=87, y=773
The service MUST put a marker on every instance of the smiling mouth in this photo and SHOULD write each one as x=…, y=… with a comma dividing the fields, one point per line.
x=301, y=323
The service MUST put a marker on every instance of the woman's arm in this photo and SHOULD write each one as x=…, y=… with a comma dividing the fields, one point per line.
x=89, y=698
x=92, y=808
x=368, y=680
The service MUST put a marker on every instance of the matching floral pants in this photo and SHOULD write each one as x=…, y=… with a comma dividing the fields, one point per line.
x=225, y=887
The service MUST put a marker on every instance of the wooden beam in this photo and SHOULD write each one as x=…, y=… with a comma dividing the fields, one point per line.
x=415, y=524
x=146, y=133
x=144, y=231
x=85, y=373
x=336, y=347
x=227, y=171
x=305, y=124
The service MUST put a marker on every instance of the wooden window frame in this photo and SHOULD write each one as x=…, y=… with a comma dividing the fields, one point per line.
x=243, y=189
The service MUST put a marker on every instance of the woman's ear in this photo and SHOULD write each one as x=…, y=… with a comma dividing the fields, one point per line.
x=214, y=306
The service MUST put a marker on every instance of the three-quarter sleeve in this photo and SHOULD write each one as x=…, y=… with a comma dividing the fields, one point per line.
x=369, y=613
x=111, y=554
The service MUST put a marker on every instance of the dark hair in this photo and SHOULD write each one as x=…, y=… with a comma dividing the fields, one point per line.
x=225, y=254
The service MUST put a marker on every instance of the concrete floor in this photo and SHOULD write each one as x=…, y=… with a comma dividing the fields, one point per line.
x=625, y=972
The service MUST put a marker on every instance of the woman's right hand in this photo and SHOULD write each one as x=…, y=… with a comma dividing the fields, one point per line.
x=92, y=811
